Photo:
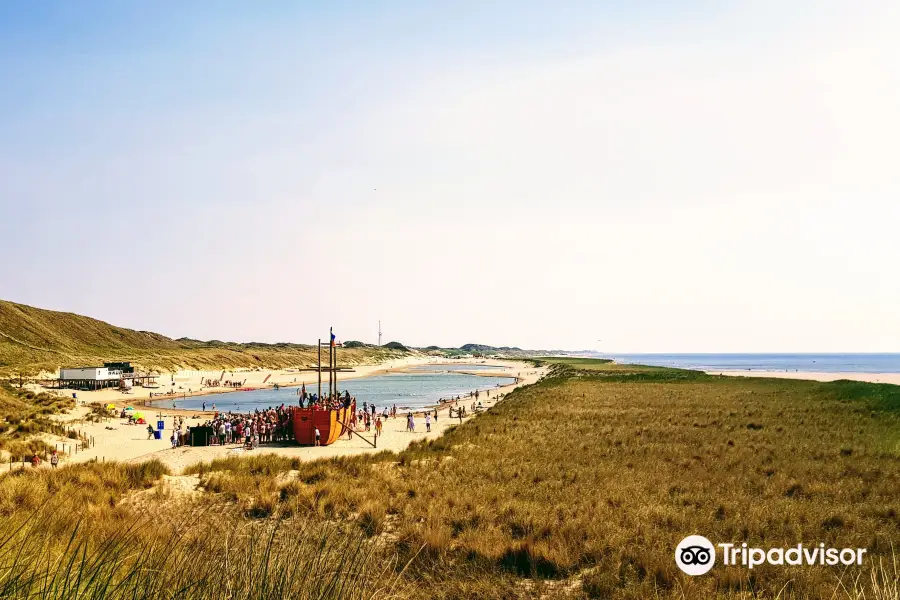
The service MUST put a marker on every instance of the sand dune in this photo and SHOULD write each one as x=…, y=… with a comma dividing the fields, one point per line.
x=815, y=376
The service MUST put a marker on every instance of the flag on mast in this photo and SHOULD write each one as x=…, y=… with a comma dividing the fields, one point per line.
x=330, y=330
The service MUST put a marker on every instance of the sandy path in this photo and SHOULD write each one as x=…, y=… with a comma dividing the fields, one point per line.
x=815, y=376
x=115, y=440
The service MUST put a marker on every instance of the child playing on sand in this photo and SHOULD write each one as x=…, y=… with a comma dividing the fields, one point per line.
x=428, y=422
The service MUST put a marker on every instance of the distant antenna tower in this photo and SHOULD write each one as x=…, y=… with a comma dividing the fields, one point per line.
x=379, y=332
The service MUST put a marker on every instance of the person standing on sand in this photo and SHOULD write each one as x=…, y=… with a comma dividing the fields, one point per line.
x=378, y=426
x=318, y=437
x=410, y=423
x=428, y=422
x=54, y=459
x=149, y=432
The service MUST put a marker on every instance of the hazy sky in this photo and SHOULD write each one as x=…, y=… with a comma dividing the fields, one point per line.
x=662, y=176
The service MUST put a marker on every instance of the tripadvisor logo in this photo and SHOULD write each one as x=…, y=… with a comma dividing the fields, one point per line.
x=696, y=555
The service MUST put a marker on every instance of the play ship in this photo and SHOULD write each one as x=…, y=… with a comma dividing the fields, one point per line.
x=332, y=423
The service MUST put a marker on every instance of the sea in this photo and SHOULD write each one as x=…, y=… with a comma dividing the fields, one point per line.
x=407, y=390
x=820, y=363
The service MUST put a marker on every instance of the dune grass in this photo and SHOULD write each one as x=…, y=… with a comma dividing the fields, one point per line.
x=34, y=339
x=585, y=483
x=580, y=486
x=25, y=414
x=70, y=533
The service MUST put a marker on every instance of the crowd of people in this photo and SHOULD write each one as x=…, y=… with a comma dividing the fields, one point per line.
x=253, y=429
x=275, y=424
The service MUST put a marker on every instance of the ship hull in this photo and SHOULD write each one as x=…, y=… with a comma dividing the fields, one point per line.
x=332, y=424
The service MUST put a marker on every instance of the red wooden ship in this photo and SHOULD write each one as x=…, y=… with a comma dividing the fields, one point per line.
x=332, y=423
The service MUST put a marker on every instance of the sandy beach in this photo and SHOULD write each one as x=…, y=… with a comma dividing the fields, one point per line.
x=116, y=440
x=893, y=378
x=190, y=383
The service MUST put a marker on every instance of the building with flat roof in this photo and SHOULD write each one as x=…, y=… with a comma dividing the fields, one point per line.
x=94, y=378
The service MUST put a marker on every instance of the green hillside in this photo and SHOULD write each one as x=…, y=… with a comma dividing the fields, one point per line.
x=34, y=339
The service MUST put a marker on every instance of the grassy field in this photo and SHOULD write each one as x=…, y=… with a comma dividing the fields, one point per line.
x=33, y=339
x=97, y=531
x=24, y=415
x=581, y=487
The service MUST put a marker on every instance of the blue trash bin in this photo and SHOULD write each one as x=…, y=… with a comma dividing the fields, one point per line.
x=157, y=434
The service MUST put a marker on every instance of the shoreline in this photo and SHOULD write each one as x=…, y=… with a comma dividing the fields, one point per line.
x=189, y=383
x=822, y=376
x=115, y=440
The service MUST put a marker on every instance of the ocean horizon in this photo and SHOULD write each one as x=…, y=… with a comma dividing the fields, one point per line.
x=873, y=362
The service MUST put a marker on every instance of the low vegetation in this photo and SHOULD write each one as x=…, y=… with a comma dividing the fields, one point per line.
x=580, y=486
x=34, y=340
x=584, y=484
x=23, y=416
x=68, y=533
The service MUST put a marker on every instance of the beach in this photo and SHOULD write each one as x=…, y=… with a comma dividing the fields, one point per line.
x=114, y=439
x=893, y=378
x=189, y=383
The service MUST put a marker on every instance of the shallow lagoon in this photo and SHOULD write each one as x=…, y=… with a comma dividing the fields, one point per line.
x=406, y=390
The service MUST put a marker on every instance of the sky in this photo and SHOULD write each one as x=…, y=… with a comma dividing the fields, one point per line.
x=624, y=177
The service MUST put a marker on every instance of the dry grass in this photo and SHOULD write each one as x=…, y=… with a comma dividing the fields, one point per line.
x=33, y=339
x=594, y=476
x=23, y=415
x=69, y=533
x=578, y=487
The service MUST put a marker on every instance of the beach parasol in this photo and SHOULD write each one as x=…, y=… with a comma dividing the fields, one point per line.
x=138, y=415
x=110, y=407
x=129, y=408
